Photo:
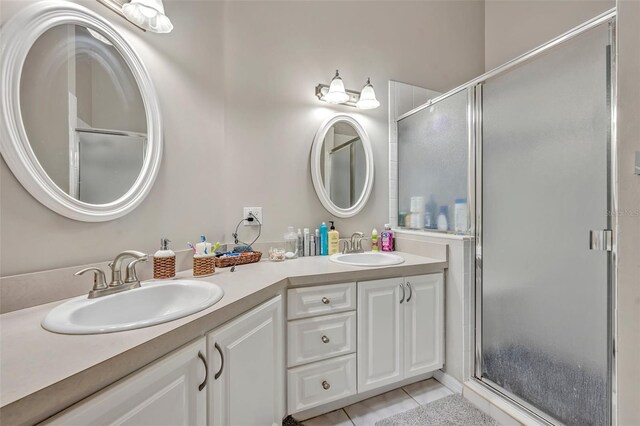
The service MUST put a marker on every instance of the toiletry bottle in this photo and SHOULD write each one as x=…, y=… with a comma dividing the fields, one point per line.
x=164, y=261
x=290, y=244
x=430, y=216
x=312, y=245
x=386, y=238
x=374, y=240
x=334, y=239
x=300, y=243
x=443, y=223
x=305, y=238
x=324, y=239
x=461, y=216
x=317, y=252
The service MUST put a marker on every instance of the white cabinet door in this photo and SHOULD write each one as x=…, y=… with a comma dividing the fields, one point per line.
x=380, y=337
x=246, y=368
x=423, y=324
x=164, y=393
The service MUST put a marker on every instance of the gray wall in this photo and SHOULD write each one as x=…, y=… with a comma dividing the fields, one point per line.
x=186, y=69
x=515, y=27
x=235, y=82
x=276, y=52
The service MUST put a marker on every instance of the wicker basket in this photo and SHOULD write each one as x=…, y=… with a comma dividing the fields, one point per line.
x=204, y=266
x=164, y=267
x=243, y=259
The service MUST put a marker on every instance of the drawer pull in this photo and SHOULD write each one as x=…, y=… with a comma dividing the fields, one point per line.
x=325, y=339
x=402, y=288
x=325, y=385
x=326, y=301
x=410, y=291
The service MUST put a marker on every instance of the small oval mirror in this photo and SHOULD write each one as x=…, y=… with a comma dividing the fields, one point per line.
x=342, y=165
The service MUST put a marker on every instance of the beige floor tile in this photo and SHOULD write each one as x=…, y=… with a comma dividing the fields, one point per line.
x=427, y=391
x=334, y=418
x=369, y=411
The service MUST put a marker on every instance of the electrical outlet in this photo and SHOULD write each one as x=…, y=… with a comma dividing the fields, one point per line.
x=257, y=212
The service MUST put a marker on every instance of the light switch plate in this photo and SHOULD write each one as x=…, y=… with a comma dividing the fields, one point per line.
x=257, y=212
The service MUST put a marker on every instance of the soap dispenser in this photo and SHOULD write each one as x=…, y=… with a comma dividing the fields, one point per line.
x=334, y=239
x=164, y=261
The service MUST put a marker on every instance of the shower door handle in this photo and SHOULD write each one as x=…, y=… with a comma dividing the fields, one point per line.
x=601, y=240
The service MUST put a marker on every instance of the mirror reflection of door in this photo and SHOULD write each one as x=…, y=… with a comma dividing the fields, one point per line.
x=83, y=114
x=344, y=165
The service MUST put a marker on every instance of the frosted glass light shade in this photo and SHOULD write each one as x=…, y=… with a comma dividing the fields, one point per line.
x=148, y=14
x=336, y=94
x=368, y=97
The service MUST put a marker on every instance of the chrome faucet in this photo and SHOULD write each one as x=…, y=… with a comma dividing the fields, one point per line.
x=100, y=287
x=354, y=244
x=116, y=266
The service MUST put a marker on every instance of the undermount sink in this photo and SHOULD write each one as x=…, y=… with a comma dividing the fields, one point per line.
x=152, y=303
x=370, y=258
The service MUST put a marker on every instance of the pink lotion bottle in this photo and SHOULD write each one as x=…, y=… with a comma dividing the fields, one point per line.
x=386, y=239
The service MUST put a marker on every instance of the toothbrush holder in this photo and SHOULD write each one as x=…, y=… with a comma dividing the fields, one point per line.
x=204, y=265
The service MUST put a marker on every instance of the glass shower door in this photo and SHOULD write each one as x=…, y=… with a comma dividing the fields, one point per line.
x=545, y=155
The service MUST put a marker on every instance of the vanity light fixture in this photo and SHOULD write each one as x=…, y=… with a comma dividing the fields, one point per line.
x=144, y=14
x=148, y=14
x=335, y=93
x=368, y=97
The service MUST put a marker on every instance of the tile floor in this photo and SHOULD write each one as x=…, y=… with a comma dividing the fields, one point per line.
x=369, y=411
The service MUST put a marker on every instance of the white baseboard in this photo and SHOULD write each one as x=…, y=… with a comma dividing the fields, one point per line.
x=448, y=380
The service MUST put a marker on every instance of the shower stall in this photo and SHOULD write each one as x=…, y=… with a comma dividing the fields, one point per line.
x=531, y=145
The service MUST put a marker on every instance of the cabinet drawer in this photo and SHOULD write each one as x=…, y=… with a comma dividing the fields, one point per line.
x=320, y=300
x=321, y=382
x=314, y=339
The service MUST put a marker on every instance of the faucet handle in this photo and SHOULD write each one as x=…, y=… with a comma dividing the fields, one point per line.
x=131, y=276
x=99, y=280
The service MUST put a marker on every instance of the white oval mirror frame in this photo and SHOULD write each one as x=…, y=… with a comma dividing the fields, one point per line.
x=316, y=175
x=18, y=35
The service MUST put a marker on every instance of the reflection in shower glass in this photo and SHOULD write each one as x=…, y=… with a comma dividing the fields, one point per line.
x=544, y=293
x=107, y=165
x=433, y=150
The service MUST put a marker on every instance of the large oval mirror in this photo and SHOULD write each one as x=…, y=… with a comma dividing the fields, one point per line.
x=342, y=165
x=81, y=116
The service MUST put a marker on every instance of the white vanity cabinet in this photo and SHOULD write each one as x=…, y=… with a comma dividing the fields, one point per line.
x=321, y=345
x=171, y=391
x=246, y=368
x=400, y=329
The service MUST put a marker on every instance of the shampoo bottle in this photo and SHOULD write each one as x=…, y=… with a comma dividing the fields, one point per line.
x=334, y=239
x=374, y=240
x=164, y=261
x=324, y=239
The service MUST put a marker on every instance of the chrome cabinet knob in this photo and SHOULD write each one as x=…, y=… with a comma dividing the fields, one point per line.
x=326, y=301
x=325, y=339
x=325, y=385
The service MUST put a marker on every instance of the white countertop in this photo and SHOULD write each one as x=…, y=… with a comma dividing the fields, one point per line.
x=43, y=372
